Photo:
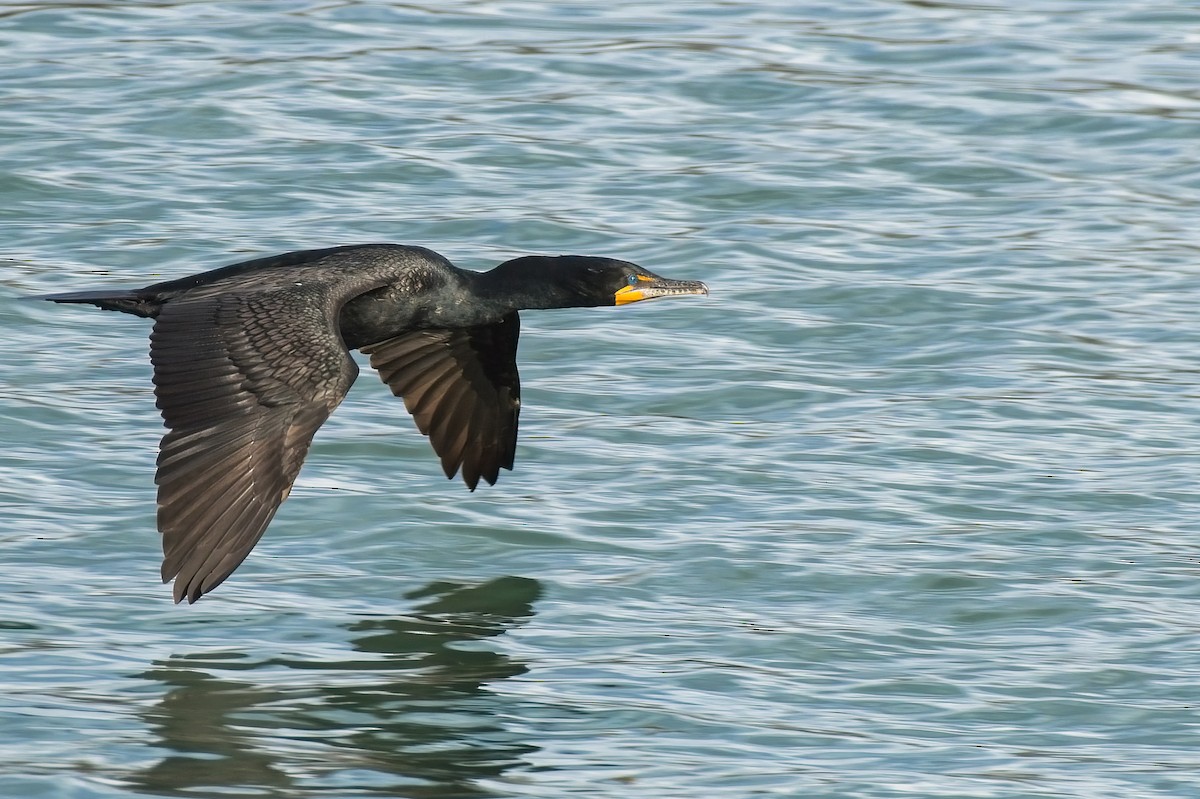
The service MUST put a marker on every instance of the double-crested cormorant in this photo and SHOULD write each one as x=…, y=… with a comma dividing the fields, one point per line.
x=250, y=359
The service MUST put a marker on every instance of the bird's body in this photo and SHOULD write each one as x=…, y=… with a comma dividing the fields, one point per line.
x=250, y=360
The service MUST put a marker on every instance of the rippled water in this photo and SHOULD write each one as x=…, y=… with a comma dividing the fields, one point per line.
x=907, y=507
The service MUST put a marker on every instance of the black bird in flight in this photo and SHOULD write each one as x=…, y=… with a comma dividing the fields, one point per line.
x=250, y=360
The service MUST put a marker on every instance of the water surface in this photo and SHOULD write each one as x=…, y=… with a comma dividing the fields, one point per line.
x=907, y=507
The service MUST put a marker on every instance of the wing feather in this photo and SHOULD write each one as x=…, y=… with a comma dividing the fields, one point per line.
x=462, y=388
x=243, y=380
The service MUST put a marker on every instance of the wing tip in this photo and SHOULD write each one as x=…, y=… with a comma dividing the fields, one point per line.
x=472, y=480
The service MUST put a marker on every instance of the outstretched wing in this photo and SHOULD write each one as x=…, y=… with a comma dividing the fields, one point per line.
x=462, y=388
x=243, y=382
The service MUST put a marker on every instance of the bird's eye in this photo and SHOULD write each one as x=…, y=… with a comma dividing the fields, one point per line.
x=632, y=280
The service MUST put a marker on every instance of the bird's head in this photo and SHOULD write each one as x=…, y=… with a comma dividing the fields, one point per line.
x=578, y=281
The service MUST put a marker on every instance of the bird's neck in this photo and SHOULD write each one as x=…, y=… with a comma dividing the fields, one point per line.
x=515, y=293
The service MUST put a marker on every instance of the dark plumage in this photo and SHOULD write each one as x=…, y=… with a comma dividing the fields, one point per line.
x=250, y=359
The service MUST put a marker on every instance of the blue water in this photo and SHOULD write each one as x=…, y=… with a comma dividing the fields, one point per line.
x=906, y=508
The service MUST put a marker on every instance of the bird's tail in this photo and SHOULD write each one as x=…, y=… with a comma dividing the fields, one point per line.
x=108, y=299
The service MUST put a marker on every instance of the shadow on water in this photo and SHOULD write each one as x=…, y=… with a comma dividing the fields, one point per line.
x=410, y=715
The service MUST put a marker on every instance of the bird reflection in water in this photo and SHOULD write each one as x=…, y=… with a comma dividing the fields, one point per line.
x=412, y=716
